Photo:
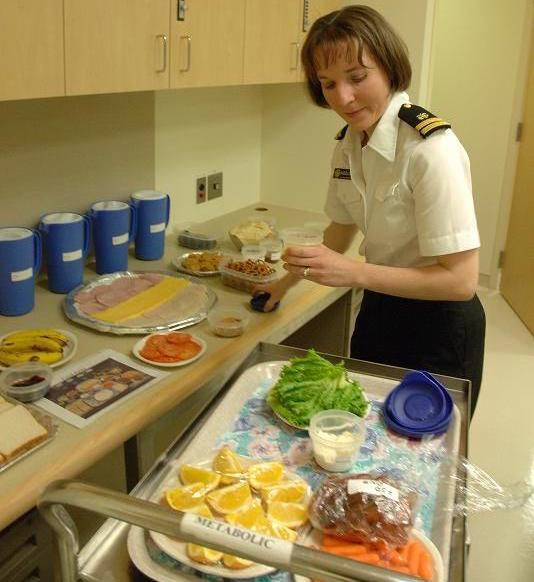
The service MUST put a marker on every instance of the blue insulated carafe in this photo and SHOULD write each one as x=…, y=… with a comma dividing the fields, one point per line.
x=20, y=261
x=65, y=244
x=113, y=227
x=152, y=220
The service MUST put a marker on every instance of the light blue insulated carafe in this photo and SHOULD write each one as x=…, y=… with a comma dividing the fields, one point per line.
x=113, y=227
x=152, y=219
x=65, y=245
x=20, y=261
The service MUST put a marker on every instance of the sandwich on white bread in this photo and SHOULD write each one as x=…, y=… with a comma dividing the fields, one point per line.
x=19, y=431
x=4, y=405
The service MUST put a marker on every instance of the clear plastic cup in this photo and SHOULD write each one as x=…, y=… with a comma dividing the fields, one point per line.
x=253, y=252
x=272, y=248
x=337, y=436
x=299, y=235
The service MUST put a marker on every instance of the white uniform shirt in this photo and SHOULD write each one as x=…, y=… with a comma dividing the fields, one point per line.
x=410, y=196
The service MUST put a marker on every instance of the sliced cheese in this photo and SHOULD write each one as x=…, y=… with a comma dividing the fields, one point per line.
x=143, y=301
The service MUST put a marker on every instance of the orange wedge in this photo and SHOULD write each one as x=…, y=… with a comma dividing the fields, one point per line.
x=186, y=497
x=235, y=563
x=230, y=499
x=288, y=514
x=190, y=474
x=228, y=465
x=202, y=554
x=265, y=474
x=248, y=517
x=294, y=491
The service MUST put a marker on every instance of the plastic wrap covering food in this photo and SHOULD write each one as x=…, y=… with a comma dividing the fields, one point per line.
x=364, y=508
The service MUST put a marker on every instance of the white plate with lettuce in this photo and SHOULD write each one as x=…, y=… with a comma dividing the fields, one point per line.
x=310, y=384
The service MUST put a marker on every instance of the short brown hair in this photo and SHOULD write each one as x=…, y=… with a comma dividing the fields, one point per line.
x=371, y=31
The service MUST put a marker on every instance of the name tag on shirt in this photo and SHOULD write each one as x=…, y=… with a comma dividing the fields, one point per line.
x=341, y=173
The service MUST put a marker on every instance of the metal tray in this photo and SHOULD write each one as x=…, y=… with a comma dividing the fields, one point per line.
x=72, y=312
x=43, y=419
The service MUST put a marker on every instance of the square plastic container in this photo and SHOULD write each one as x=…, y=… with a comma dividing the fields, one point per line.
x=246, y=281
x=228, y=321
x=252, y=252
x=196, y=241
x=301, y=236
x=27, y=381
x=337, y=436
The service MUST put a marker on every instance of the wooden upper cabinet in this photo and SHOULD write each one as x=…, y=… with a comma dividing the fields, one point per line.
x=31, y=49
x=207, y=45
x=272, y=37
x=116, y=45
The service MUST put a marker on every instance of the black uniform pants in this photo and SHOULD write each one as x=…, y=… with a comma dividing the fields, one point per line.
x=445, y=337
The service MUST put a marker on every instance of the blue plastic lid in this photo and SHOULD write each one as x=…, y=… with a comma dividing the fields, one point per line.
x=260, y=299
x=419, y=405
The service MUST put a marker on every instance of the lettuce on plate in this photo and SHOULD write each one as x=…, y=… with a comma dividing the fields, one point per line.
x=310, y=384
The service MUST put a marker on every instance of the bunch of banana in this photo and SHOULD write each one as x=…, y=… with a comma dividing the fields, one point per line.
x=33, y=345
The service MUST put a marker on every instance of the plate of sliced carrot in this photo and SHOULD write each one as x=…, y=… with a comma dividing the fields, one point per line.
x=419, y=557
x=169, y=349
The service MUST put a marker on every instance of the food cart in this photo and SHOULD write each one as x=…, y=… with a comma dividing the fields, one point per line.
x=121, y=552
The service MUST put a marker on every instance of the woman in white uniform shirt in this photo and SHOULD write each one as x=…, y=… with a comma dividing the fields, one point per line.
x=400, y=175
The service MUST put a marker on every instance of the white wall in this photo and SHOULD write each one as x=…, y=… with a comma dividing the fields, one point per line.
x=198, y=131
x=476, y=68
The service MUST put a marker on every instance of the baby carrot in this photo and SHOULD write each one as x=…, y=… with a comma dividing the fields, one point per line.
x=368, y=558
x=348, y=550
x=414, y=556
x=425, y=566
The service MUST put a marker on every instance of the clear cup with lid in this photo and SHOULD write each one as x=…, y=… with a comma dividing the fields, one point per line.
x=336, y=436
x=302, y=236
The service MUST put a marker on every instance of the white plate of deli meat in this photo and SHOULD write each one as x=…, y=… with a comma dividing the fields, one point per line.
x=139, y=302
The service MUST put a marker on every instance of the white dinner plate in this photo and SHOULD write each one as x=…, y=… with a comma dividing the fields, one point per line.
x=177, y=549
x=68, y=351
x=178, y=262
x=141, y=343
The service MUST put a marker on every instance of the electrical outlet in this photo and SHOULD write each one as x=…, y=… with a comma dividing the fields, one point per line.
x=201, y=190
x=215, y=185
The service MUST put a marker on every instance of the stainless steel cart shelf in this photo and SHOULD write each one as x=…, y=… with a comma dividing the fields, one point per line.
x=105, y=556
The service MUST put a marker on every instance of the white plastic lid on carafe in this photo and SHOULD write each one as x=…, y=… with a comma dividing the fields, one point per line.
x=61, y=218
x=148, y=195
x=14, y=233
x=109, y=205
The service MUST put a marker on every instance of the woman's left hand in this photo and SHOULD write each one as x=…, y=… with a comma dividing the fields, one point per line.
x=320, y=264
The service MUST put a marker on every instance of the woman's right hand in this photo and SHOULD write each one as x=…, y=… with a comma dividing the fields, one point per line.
x=276, y=290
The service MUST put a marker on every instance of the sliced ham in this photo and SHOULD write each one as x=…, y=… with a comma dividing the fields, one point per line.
x=90, y=307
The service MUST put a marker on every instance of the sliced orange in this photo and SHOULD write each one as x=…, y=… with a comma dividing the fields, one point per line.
x=230, y=499
x=265, y=474
x=201, y=509
x=186, y=497
x=235, y=563
x=202, y=554
x=281, y=531
x=288, y=514
x=228, y=465
x=191, y=474
x=248, y=517
x=294, y=491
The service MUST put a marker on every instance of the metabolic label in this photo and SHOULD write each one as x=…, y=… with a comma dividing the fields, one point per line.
x=372, y=487
x=72, y=256
x=157, y=227
x=120, y=239
x=17, y=276
x=233, y=539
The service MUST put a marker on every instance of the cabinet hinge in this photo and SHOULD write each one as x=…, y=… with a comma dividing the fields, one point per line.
x=181, y=7
x=305, y=15
x=519, y=131
x=501, y=260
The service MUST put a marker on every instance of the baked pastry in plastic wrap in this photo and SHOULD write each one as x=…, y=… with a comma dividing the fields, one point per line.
x=364, y=508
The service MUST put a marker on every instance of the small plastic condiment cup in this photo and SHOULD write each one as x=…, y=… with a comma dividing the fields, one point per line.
x=301, y=236
x=253, y=252
x=228, y=321
x=37, y=374
x=272, y=248
x=336, y=436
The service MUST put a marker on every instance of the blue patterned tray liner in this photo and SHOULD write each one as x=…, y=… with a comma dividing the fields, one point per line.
x=258, y=433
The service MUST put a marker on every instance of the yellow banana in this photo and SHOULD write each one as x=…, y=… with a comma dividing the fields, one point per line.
x=29, y=344
x=10, y=358
x=34, y=333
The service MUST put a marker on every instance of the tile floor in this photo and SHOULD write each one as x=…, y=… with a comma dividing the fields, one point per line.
x=502, y=443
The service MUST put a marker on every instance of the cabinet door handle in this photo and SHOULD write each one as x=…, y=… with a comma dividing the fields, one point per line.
x=163, y=38
x=188, y=59
x=296, y=52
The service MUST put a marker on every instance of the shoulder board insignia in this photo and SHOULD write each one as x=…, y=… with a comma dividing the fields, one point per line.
x=420, y=119
x=341, y=133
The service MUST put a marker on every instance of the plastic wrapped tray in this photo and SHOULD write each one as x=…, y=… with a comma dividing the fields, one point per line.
x=171, y=322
